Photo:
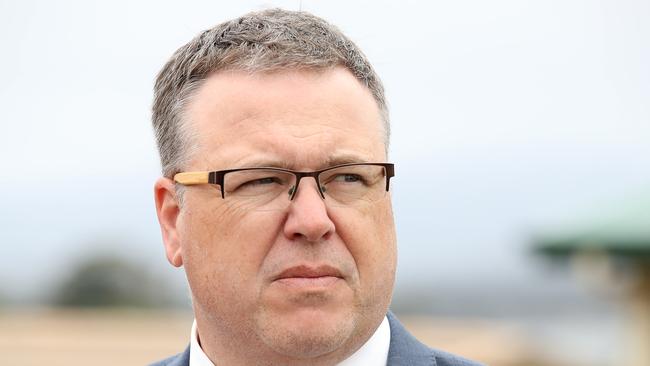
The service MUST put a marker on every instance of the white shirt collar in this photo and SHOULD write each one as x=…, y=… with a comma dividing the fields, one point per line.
x=197, y=357
x=373, y=353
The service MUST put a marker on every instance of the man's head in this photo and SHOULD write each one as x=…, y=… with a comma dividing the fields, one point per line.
x=262, y=42
x=307, y=282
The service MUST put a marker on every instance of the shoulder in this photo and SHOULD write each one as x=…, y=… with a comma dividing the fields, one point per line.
x=405, y=349
x=181, y=359
x=447, y=359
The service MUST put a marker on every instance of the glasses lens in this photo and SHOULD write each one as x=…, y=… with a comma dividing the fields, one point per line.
x=264, y=189
x=354, y=184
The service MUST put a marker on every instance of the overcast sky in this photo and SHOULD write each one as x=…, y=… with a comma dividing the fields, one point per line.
x=507, y=116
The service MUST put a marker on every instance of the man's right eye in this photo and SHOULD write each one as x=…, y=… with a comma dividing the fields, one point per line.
x=262, y=181
x=253, y=183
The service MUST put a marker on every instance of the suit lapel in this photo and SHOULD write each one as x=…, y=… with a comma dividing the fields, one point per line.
x=181, y=359
x=404, y=349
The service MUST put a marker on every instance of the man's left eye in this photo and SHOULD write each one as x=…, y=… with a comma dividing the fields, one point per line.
x=348, y=178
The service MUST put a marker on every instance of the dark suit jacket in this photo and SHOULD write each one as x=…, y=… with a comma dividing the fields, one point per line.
x=404, y=350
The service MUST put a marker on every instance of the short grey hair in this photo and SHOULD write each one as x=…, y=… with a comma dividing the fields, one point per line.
x=264, y=41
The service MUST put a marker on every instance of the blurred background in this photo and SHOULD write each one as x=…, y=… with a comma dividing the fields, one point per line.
x=522, y=198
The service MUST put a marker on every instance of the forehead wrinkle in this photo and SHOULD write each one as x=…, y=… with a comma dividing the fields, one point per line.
x=265, y=158
x=299, y=150
x=298, y=129
x=295, y=149
x=292, y=135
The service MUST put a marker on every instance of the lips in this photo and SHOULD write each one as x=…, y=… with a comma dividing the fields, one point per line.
x=309, y=276
x=305, y=271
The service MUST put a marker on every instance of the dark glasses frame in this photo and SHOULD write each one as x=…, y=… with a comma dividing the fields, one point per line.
x=217, y=177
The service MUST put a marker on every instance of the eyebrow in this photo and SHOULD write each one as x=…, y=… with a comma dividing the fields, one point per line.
x=333, y=160
x=345, y=159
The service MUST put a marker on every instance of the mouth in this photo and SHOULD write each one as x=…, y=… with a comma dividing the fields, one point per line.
x=305, y=276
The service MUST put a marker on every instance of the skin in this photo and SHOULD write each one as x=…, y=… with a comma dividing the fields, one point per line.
x=302, y=120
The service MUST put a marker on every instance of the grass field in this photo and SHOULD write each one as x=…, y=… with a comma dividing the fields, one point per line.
x=137, y=337
x=77, y=337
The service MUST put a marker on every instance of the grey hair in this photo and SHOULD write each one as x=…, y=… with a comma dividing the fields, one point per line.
x=265, y=41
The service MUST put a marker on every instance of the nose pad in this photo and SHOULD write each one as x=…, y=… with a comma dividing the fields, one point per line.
x=294, y=189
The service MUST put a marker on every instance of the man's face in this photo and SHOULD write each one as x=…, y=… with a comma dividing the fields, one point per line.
x=234, y=255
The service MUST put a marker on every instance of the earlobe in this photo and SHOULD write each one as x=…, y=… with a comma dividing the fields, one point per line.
x=168, y=210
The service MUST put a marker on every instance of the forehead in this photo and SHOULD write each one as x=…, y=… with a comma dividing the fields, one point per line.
x=300, y=119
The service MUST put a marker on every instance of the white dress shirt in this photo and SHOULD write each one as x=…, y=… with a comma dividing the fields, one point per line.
x=373, y=353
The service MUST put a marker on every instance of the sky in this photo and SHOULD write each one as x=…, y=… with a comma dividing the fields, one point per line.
x=508, y=118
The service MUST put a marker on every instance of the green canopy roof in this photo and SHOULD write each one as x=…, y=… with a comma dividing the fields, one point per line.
x=622, y=229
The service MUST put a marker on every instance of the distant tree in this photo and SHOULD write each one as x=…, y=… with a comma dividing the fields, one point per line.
x=107, y=281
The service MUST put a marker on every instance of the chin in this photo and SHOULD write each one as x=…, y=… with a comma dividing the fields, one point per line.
x=307, y=333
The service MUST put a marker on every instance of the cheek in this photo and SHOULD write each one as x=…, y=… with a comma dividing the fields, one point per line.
x=369, y=234
x=223, y=249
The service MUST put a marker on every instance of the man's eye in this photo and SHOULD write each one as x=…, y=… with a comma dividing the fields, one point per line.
x=262, y=181
x=348, y=178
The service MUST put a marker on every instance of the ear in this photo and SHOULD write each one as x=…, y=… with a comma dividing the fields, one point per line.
x=167, y=209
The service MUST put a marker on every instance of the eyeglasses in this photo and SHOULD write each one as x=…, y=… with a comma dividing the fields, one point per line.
x=274, y=188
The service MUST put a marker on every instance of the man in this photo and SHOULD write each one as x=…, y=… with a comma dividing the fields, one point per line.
x=273, y=131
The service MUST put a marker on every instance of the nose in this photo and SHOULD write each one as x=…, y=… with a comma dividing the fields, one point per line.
x=308, y=218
